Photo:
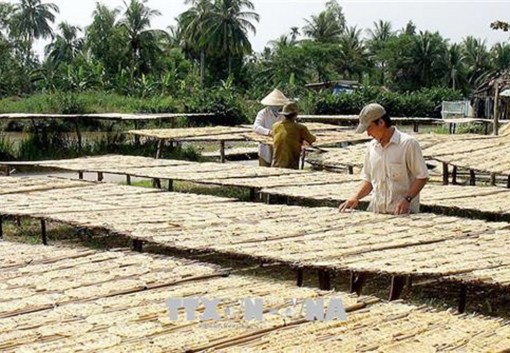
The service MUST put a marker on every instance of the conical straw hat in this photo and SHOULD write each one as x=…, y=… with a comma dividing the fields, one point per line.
x=275, y=98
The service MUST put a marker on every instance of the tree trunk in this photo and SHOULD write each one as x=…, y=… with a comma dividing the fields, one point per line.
x=202, y=66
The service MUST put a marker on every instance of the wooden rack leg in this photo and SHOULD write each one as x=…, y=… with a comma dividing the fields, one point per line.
x=43, y=232
x=156, y=182
x=397, y=284
x=137, y=245
x=170, y=185
x=128, y=179
x=253, y=194
x=462, y=299
x=472, y=177
x=445, y=173
x=299, y=277
x=80, y=175
x=350, y=169
x=493, y=179
x=324, y=280
x=357, y=281
x=454, y=175
x=222, y=152
x=1, y=228
x=159, y=151
x=100, y=176
x=508, y=182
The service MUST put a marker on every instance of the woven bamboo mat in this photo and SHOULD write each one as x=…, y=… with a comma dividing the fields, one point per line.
x=231, y=152
x=286, y=180
x=13, y=185
x=173, y=134
x=490, y=200
x=354, y=155
x=417, y=244
x=492, y=160
x=387, y=328
x=102, y=308
x=324, y=137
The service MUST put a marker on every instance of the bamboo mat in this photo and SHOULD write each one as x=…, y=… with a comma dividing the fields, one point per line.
x=102, y=308
x=387, y=328
x=324, y=137
x=422, y=244
x=486, y=199
x=174, y=134
x=13, y=185
x=232, y=152
x=353, y=156
x=146, y=167
x=302, y=179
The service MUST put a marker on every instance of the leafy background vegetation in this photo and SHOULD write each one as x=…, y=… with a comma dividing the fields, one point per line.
x=205, y=63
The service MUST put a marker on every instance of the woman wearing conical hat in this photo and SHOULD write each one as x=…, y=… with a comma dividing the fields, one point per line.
x=274, y=102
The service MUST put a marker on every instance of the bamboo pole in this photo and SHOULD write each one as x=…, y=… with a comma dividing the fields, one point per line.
x=496, y=109
x=43, y=232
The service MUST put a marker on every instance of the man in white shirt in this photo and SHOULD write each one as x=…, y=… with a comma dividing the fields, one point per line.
x=394, y=167
x=264, y=121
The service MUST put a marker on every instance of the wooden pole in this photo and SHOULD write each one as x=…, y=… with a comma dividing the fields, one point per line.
x=99, y=176
x=222, y=152
x=128, y=179
x=299, y=277
x=1, y=227
x=136, y=137
x=462, y=298
x=253, y=193
x=137, y=245
x=508, y=182
x=43, y=232
x=80, y=175
x=324, y=280
x=159, y=151
x=397, y=284
x=496, y=109
x=78, y=133
x=454, y=175
x=170, y=185
x=416, y=126
x=472, y=177
x=357, y=282
x=493, y=179
x=445, y=173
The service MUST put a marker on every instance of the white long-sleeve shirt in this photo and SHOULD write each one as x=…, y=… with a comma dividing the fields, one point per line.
x=392, y=170
x=262, y=126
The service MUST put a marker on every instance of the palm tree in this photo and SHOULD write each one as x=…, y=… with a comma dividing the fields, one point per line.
x=354, y=56
x=429, y=49
x=193, y=29
x=500, y=57
x=31, y=20
x=323, y=28
x=66, y=45
x=143, y=42
x=476, y=58
x=455, y=63
x=228, y=28
x=103, y=39
x=377, y=42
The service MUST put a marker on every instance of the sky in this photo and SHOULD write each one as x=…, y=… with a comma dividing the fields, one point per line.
x=453, y=19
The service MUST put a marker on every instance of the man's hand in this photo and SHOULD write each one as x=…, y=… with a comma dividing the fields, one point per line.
x=348, y=205
x=402, y=207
